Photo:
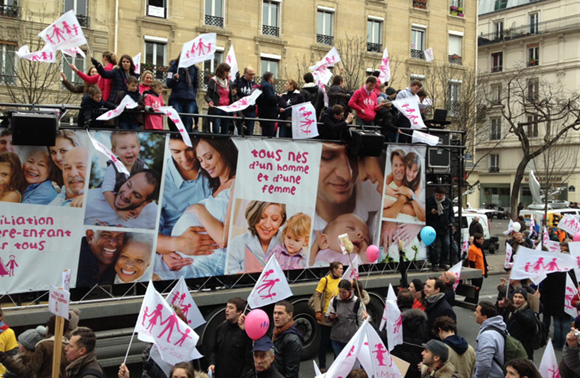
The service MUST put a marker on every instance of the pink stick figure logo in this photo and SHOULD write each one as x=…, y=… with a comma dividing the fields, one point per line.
x=398, y=325
x=154, y=315
x=172, y=322
x=268, y=285
x=11, y=265
x=569, y=297
x=57, y=32
x=184, y=337
x=555, y=372
x=380, y=354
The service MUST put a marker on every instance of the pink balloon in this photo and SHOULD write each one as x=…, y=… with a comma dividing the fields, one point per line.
x=373, y=253
x=577, y=237
x=257, y=324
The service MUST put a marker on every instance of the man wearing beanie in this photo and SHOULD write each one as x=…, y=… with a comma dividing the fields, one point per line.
x=520, y=319
x=435, y=362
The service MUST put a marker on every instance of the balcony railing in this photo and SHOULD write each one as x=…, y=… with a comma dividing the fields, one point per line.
x=496, y=68
x=325, y=39
x=271, y=30
x=84, y=20
x=454, y=108
x=159, y=72
x=374, y=47
x=417, y=54
x=420, y=4
x=533, y=62
x=214, y=21
x=525, y=30
x=7, y=79
x=10, y=11
x=455, y=59
x=493, y=169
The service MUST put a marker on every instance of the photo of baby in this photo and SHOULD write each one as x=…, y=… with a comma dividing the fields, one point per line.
x=291, y=253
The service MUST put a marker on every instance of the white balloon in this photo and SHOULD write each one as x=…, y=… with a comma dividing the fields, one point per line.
x=517, y=227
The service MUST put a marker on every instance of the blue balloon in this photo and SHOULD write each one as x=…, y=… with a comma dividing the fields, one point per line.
x=428, y=235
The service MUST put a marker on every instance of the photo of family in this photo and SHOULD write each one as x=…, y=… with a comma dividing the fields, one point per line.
x=118, y=200
x=52, y=175
x=261, y=230
x=196, y=208
x=113, y=257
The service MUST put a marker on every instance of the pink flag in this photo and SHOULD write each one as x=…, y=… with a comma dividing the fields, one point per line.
x=233, y=62
x=330, y=59
x=304, y=121
x=375, y=358
x=352, y=271
x=181, y=298
x=549, y=365
x=535, y=265
x=126, y=103
x=64, y=33
x=46, y=55
x=242, y=103
x=569, y=294
x=176, y=119
x=457, y=270
x=409, y=106
x=158, y=324
x=509, y=251
x=102, y=148
x=200, y=49
x=271, y=287
x=570, y=224
x=385, y=75
x=137, y=63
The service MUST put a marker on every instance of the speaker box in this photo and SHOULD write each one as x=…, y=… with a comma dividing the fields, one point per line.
x=367, y=143
x=34, y=129
x=439, y=157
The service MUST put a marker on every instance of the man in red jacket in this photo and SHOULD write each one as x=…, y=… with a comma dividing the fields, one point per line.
x=364, y=101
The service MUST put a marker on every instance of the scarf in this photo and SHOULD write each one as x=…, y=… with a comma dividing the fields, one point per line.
x=221, y=82
x=3, y=326
x=440, y=206
x=77, y=365
x=279, y=330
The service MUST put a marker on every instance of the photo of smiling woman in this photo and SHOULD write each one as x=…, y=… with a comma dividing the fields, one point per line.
x=39, y=174
x=134, y=261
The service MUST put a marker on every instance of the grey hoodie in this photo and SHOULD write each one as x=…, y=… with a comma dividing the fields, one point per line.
x=490, y=344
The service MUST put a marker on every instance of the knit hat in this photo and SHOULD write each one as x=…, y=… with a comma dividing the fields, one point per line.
x=31, y=337
x=391, y=91
x=522, y=291
x=438, y=348
x=73, y=318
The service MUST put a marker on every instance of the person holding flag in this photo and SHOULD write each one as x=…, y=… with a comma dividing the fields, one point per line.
x=183, y=83
x=119, y=75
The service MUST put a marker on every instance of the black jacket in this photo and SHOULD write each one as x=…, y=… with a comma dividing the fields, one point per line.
x=315, y=96
x=436, y=306
x=440, y=222
x=552, y=291
x=119, y=80
x=132, y=115
x=522, y=326
x=213, y=94
x=337, y=95
x=287, y=100
x=415, y=333
x=90, y=110
x=244, y=88
x=475, y=227
x=288, y=347
x=180, y=88
x=330, y=128
x=267, y=102
x=270, y=373
x=231, y=352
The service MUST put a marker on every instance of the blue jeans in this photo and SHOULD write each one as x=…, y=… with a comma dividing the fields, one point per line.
x=441, y=258
x=128, y=125
x=337, y=346
x=221, y=125
x=561, y=329
x=246, y=127
x=285, y=130
x=323, y=346
x=268, y=128
x=184, y=106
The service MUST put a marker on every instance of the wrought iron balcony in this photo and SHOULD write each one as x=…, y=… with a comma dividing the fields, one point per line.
x=417, y=54
x=84, y=20
x=455, y=59
x=10, y=11
x=325, y=39
x=374, y=47
x=159, y=72
x=214, y=21
x=493, y=169
x=421, y=4
x=271, y=30
x=497, y=68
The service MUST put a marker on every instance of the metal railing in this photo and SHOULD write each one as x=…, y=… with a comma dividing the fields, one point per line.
x=526, y=30
x=421, y=4
x=455, y=59
x=374, y=47
x=325, y=39
x=10, y=11
x=159, y=72
x=214, y=21
x=271, y=30
x=498, y=68
x=417, y=54
x=84, y=20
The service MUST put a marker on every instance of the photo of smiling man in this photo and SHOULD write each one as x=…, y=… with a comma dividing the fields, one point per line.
x=99, y=252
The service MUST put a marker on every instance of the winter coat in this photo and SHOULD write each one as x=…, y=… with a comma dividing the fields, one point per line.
x=270, y=373
x=244, y=88
x=119, y=81
x=81, y=367
x=552, y=293
x=131, y=115
x=267, y=102
x=511, y=290
x=312, y=93
x=151, y=102
x=103, y=84
x=213, y=94
x=475, y=227
x=231, y=352
x=461, y=355
x=521, y=324
x=337, y=95
x=476, y=258
x=346, y=323
x=571, y=358
x=436, y=306
x=331, y=128
x=288, y=351
x=489, y=349
x=40, y=363
x=445, y=371
x=180, y=89
x=360, y=101
x=415, y=333
x=73, y=88
x=440, y=222
x=286, y=101
x=450, y=295
x=89, y=110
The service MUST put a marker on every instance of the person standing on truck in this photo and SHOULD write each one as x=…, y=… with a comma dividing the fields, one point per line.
x=440, y=217
x=231, y=355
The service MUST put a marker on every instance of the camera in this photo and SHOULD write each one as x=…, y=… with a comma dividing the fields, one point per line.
x=577, y=333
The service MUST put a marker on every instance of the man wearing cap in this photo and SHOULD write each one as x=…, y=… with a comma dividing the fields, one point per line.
x=435, y=362
x=520, y=319
x=264, y=360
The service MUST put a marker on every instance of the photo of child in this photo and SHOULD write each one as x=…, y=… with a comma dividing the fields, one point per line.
x=291, y=253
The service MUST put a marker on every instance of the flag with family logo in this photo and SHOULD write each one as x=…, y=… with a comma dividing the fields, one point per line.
x=46, y=55
x=393, y=320
x=180, y=297
x=409, y=107
x=569, y=292
x=385, y=75
x=176, y=119
x=391, y=296
x=197, y=50
x=457, y=270
x=137, y=63
x=233, y=63
x=549, y=365
x=105, y=150
x=536, y=265
x=64, y=33
x=330, y=59
x=271, y=287
x=73, y=52
x=352, y=271
x=126, y=103
x=375, y=358
x=304, y=121
x=157, y=323
x=344, y=362
x=242, y=103
x=509, y=251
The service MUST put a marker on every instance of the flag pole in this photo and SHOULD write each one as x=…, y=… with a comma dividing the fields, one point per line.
x=129, y=348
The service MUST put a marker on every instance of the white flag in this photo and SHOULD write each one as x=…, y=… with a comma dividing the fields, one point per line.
x=509, y=251
x=575, y=252
x=510, y=227
x=421, y=137
x=233, y=62
x=535, y=265
x=127, y=102
x=553, y=246
x=242, y=103
x=330, y=59
x=74, y=51
x=385, y=75
x=102, y=148
x=570, y=224
x=200, y=49
x=46, y=55
x=545, y=236
x=179, y=296
x=409, y=106
x=66, y=279
x=304, y=121
x=321, y=77
x=137, y=63
x=344, y=362
x=157, y=323
x=390, y=297
x=374, y=357
x=394, y=325
x=176, y=119
x=64, y=33
x=352, y=271
x=569, y=294
x=58, y=301
x=271, y=287
x=549, y=365
x=457, y=270
x=429, y=54
x=464, y=248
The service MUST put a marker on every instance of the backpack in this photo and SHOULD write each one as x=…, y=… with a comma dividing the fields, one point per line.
x=355, y=308
x=513, y=348
x=322, y=297
x=540, y=338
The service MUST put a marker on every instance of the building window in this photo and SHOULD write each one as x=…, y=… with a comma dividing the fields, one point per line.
x=456, y=8
x=534, y=19
x=270, y=18
x=498, y=30
x=209, y=66
x=494, y=163
x=532, y=125
x=9, y=8
x=500, y=4
x=495, y=129
x=8, y=63
x=155, y=59
x=374, y=35
x=533, y=88
x=81, y=10
x=325, y=27
x=157, y=8
x=497, y=62
x=533, y=55
x=454, y=101
x=495, y=94
x=214, y=13
x=417, y=43
x=455, y=42
x=269, y=65
x=79, y=62
x=420, y=4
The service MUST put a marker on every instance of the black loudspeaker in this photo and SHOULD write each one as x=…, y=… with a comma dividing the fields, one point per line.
x=34, y=129
x=439, y=157
x=367, y=143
